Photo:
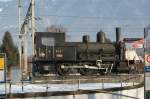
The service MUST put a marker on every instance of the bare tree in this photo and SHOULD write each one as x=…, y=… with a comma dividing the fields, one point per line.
x=56, y=28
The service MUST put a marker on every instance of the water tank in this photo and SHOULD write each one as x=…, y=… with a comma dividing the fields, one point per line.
x=101, y=38
x=86, y=38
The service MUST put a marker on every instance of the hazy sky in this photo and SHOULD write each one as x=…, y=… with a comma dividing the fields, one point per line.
x=80, y=16
x=5, y=0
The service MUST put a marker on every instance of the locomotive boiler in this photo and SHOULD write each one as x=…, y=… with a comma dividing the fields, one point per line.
x=54, y=55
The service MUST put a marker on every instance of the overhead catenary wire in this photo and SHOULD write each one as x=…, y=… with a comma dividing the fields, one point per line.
x=85, y=17
x=94, y=17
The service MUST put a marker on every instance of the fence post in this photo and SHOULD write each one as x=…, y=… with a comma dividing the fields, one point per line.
x=78, y=83
x=102, y=84
x=22, y=86
x=121, y=84
x=10, y=87
x=47, y=87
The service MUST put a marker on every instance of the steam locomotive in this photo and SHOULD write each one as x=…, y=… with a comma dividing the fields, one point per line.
x=54, y=55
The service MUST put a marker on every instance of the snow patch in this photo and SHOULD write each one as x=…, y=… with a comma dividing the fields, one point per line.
x=27, y=87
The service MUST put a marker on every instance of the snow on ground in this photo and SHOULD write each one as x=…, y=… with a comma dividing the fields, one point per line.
x=27, y=87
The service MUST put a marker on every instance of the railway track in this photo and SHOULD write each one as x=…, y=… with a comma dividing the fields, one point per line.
x=113, y=78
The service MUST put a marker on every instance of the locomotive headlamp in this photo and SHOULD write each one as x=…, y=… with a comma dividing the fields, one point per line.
x=42, y=54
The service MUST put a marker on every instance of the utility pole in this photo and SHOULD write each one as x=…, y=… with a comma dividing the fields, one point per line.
x=20, y=35
x=23, y=28
x=25, y=42
x=33, y=25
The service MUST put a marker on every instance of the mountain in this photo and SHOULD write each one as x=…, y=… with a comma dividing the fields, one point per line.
x=80, y=16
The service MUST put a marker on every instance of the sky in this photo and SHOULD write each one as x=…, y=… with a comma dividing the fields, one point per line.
x=5, y=0
x=80, y=17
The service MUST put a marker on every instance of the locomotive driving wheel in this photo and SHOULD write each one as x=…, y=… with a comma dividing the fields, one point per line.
x=62, y=70
x=86, y=72
x=132, y=69
x=83, y=71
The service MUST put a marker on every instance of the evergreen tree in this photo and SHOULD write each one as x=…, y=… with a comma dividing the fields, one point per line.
x=10, y=49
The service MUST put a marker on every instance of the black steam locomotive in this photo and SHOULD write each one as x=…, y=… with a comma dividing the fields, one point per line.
x=54, y=55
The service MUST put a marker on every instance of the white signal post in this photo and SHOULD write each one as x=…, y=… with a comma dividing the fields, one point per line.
x=147, y=64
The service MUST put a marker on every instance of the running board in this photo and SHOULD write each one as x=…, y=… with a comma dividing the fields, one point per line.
x=107, y=69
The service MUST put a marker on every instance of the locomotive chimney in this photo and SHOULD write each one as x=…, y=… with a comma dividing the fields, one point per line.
x=101, y=37
x=86, y=39
x=119, y=45
x=118, y=34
